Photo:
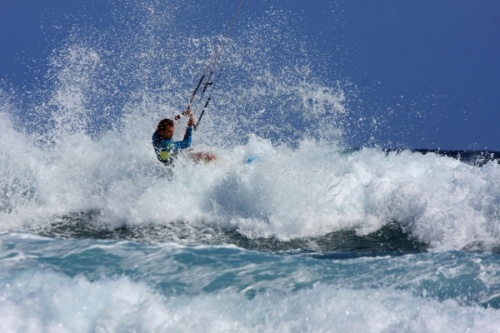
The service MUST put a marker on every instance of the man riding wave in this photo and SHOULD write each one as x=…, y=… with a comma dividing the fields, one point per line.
x=167, y=149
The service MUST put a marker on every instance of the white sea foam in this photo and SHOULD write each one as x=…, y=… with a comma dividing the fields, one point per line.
x=288, y=193
x=84, y=145
x=51, y=302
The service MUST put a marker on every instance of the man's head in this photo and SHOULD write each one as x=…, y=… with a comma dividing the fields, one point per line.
x=166, y=128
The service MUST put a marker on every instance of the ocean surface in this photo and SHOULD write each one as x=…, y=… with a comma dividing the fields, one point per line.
x=290, y=230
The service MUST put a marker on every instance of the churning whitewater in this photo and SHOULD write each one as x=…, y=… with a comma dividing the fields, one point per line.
x=288, y=230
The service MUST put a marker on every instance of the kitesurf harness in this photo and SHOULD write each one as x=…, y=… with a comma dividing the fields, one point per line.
x=207, y=78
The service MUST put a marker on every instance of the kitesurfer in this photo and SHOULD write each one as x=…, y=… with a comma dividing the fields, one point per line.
x=167, y=149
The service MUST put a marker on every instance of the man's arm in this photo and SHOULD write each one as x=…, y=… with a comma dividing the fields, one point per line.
x=188, y=136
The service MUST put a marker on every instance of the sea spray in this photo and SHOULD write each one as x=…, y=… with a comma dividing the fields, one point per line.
x=313, y=235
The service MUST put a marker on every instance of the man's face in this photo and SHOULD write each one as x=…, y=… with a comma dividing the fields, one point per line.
x=168, y=132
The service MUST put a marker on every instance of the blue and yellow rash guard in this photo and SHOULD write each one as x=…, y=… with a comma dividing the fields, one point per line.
x=166, y=149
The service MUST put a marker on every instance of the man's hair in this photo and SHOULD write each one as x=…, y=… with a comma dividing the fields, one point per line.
x=164, y=124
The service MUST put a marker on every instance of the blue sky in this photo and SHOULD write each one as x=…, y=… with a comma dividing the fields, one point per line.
x=427, y=71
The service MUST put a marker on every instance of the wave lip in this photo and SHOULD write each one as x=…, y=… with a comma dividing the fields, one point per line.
x=302, y=195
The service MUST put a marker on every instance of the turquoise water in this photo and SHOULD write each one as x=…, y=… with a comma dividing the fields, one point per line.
x=80, y=285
